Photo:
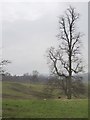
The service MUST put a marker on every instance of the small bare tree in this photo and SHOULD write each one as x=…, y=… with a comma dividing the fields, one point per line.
x=66, y=60
x=35, y=74
x=2, y=64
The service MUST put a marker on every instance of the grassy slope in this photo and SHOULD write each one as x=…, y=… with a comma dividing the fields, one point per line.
x=25, y=91
x=21, y=90
x=24, y=100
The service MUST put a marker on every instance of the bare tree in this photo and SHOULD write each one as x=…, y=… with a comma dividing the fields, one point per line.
x=2, y=64
x=66, y=60
x=35, y=74
x=79, y=90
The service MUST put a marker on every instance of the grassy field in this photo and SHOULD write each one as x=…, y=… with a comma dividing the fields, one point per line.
x=45, y=108
x=22, y=100
x=15, y=90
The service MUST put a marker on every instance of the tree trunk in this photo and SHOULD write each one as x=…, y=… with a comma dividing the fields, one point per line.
x=70, y=74
x=69, y=92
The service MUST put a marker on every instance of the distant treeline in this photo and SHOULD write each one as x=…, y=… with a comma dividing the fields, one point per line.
x=26, y=78
x=36, y=77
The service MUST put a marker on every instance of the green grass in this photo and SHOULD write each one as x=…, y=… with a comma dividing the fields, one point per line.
x=15, y=90
x=75, y=108
x=22, y=100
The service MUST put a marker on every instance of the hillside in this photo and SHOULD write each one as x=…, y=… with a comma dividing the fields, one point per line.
x=33, y=101
x=16, y=90
x=24, y=91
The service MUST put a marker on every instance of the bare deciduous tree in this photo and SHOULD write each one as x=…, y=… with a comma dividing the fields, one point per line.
x=2, y=64
x=66, y=60
x=35, y=74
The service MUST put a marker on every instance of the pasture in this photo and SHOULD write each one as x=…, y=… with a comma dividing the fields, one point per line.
x=23, y=101
x=45, y=108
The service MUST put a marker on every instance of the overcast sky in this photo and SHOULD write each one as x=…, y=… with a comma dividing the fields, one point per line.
x=28, y=29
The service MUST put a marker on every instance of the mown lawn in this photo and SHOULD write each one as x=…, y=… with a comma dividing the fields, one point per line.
x=75, y=108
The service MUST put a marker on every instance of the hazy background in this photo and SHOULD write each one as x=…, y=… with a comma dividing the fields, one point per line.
x=28, y=29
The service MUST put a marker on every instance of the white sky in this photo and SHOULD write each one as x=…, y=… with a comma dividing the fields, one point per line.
x=28, y=29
